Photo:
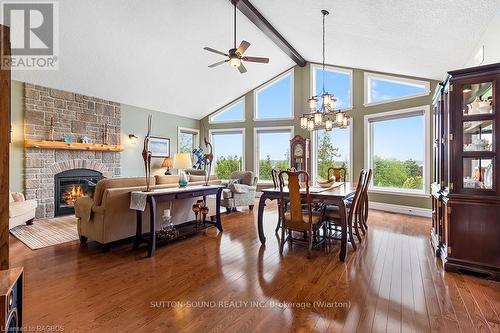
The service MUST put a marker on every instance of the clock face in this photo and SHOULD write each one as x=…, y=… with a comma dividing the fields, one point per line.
x=298, y=151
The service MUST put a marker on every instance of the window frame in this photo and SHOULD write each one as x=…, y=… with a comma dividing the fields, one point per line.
x=396, y=79
x=256, y=151
x=314, y=154
x=368, y=140
x=240, y=130
x=188, y=130
x=256, y=92
x=331, y=69
x=225, y=108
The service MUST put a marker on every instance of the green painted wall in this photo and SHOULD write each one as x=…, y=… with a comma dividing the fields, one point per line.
x=302, y=91
x=134, y=121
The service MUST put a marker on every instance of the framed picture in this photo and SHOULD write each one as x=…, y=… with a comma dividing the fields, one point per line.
x=159, y=147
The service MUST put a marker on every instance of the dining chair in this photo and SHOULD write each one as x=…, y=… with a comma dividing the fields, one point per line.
x=333, y=218
x=363, y=216
x=293, y=216
x=339, y=173
x=274, y=173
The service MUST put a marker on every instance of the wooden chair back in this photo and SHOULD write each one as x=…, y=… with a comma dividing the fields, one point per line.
x=364, y=202
x=295, y=211
x=358, y=197
x=339, y=173
x=274, y=173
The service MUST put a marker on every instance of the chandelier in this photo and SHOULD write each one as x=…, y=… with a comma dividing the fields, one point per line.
x=322, y=113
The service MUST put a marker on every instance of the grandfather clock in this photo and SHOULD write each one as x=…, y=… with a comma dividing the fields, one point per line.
x=300, y=154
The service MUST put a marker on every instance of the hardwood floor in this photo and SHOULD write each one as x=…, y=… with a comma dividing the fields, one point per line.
x=392, y=283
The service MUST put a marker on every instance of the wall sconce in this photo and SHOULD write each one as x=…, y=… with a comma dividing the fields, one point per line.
x=133, y=138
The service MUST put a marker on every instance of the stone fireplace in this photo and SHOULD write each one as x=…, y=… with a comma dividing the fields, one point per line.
x=70, y=185
x=74, y=116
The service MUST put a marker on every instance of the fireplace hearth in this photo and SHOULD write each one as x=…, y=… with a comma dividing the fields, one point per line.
x=70, y=185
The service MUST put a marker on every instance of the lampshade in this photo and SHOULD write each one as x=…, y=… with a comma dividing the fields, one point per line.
x=167, y=163
x=182, y=161
x=318, y=118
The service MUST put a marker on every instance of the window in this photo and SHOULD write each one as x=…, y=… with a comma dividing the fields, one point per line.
x=397, y=149
x=338, y=81
x=229, y=151
x=272, y=150
x=234, y=112
x=332, y=148
x=383, y=88
x=275, y=99
x=187, y=139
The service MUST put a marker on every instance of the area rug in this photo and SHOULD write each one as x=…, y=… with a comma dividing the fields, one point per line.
x=47, y=232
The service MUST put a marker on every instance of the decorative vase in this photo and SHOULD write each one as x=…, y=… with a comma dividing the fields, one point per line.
x=183, y=179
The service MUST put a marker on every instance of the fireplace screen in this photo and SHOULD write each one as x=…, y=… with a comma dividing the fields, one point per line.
x=71, y=185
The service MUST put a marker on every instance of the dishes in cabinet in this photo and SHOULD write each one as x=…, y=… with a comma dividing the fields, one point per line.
x=478, y=145
x=478, y=106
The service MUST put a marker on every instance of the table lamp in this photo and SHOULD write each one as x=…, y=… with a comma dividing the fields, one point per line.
x=167, y=163
x=182, y=161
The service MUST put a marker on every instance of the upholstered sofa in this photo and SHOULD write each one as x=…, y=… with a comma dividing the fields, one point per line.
x=20, y=210
x=240, y=191
x=106, y=216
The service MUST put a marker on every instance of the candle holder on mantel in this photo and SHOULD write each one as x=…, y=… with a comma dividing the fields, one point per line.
x=51, y=129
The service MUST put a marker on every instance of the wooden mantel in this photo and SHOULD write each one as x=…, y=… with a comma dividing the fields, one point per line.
x=71, y=145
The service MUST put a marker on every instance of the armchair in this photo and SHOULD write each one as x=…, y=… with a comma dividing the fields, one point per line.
x=240, y=191
x=20, y=210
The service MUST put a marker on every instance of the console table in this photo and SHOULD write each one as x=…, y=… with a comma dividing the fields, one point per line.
x=170, y=194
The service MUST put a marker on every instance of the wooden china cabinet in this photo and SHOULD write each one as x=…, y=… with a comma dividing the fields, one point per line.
x=465, y=229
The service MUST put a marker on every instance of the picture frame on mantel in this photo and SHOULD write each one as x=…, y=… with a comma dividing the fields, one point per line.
x=159, y=146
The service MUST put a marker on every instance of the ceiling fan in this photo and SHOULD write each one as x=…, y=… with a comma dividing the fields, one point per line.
x=235, y=55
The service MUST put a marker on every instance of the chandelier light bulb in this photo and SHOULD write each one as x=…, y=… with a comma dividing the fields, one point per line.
x=327, y=99
x=328, y=125
x=318, y=118
x=312, y=103
x=303, y=122
x=345, y=122
x=310, y=125
x=340, y=118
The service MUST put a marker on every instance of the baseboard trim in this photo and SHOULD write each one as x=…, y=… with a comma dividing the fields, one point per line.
x=408, y=210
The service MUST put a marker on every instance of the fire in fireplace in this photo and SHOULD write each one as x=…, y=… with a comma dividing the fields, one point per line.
x=71, y=185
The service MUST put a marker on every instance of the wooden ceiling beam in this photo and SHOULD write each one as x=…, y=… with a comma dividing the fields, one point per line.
x=267, y=28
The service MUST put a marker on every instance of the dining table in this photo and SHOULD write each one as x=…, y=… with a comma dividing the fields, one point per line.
x=335, y=195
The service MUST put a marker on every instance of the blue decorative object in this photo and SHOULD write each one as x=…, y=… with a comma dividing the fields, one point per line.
x=68, y=140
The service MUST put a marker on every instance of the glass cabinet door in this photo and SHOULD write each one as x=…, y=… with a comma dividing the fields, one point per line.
x=477, y=98
x=478, y=135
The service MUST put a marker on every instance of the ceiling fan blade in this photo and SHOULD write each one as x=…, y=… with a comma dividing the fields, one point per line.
x=218, y=63
x=243, y=47
x=215, y=51
x=242, y=68
x=256, y=59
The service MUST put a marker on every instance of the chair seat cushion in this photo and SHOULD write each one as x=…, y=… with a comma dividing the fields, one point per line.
x=305, y=217
x=21, y=207
x=227, y=194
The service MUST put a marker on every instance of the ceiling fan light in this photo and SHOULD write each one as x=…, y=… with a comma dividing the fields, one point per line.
x=235, y=62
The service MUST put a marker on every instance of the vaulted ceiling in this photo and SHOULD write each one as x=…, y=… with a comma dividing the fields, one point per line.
x=150, y=53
